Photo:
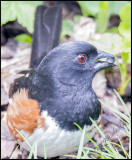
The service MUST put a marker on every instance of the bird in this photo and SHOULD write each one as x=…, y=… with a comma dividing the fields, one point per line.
x=49, y=99
x=57, y=94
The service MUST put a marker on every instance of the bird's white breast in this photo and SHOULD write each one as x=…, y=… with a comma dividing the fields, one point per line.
x=57, y=141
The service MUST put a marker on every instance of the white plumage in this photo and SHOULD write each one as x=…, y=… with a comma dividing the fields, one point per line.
x=57, y=141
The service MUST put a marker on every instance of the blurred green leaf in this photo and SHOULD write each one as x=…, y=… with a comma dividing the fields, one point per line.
x=113, y=30
x=89, y=8
x=125, y=56
x=102, y=10
x=7, y=12
x=77, y=18
x=92, y=8
x=126, y=48
x=125, y=30
x=115, y=6
x=107, y=8
x=81, y=143
x=103, y=17
x=67, y=28
x=24, y=38
x=23, y=11
x=125, y=15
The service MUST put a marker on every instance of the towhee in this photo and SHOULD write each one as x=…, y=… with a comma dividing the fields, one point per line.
x=50, y=99
x=47, y=101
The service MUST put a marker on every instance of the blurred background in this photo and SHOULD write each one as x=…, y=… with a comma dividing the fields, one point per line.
x=105, y=24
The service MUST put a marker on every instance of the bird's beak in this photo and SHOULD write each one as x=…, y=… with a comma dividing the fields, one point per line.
x=103, y=60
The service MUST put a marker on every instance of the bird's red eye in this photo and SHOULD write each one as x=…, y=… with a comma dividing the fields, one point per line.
x=81, y=58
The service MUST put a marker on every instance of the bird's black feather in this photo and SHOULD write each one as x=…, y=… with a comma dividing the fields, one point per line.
x=21, y=82
x=46, y=32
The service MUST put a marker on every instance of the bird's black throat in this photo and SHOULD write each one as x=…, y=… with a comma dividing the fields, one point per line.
x=66, y=104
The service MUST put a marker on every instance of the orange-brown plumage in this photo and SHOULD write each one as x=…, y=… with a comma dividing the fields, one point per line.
x=23, y=114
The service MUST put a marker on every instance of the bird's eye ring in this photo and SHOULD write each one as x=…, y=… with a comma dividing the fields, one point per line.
x=81, y=58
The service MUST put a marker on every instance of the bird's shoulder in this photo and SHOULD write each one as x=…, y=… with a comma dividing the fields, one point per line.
x=23, y=113
x=22, y=82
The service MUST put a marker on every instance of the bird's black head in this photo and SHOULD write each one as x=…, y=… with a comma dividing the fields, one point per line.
x=75, y=63
x=62, y=83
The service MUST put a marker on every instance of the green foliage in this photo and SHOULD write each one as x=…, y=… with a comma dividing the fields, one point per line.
x=126, y=48
x=81, y=144
x=125, y=79
x=115, y=6
x=77, y=18
x=125, y=16
x=113, y=30
x=14, y=152
x=67, y=28
x=23, y=11
x=89, y=8
x=23, y=38
x=102, y=10
x=33, y=150
x=102, y=20
x=107, y=8
x=125, y=31
x=45, y=156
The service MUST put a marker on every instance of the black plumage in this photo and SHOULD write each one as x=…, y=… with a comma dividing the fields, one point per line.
x=46, y=35
x=62, y=84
